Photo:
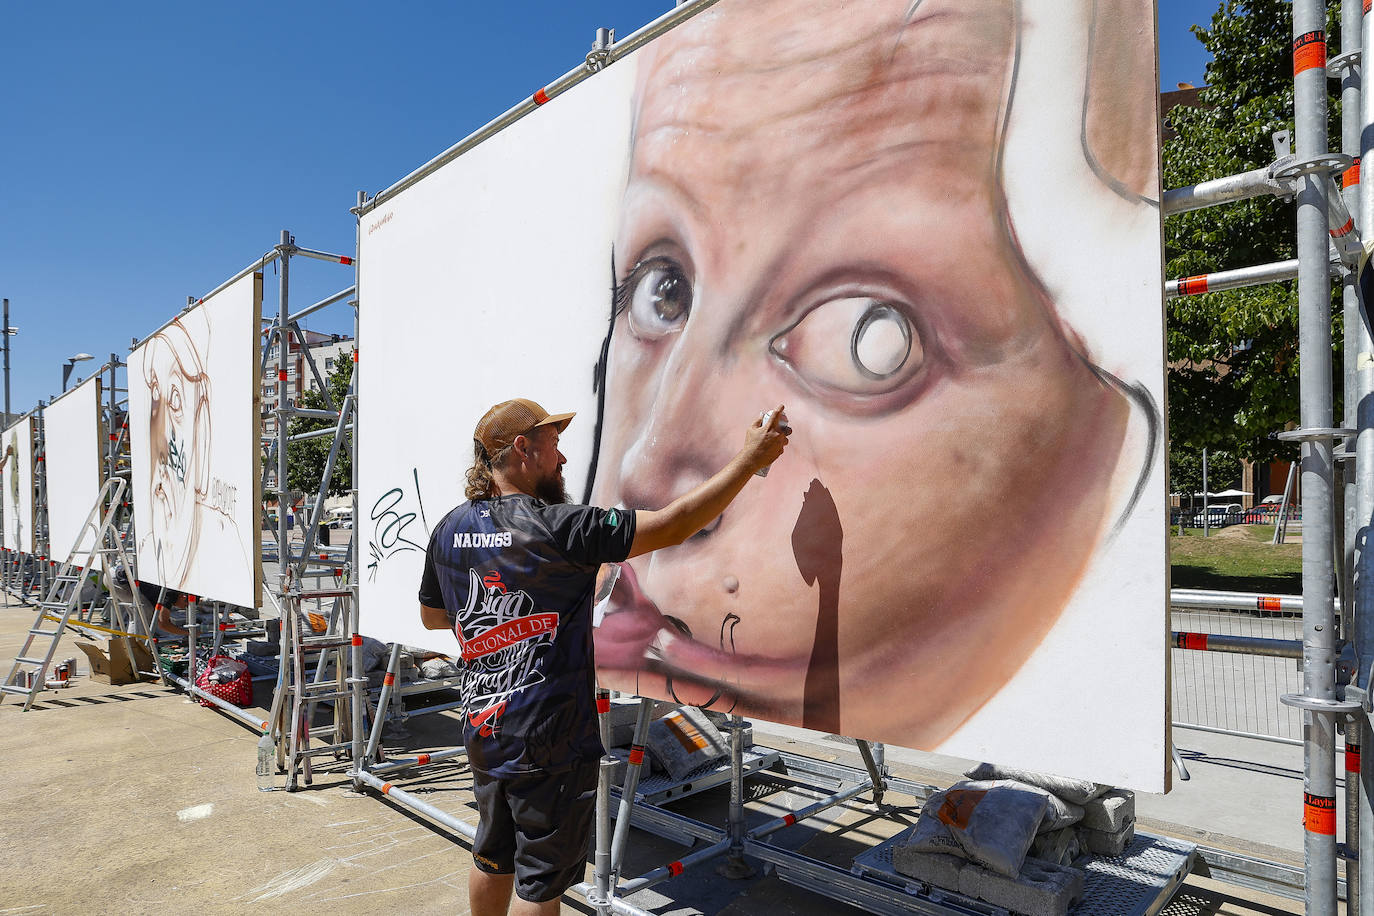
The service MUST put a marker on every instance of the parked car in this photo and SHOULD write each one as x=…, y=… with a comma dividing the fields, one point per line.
x=1219, y=515
x=1267, y=511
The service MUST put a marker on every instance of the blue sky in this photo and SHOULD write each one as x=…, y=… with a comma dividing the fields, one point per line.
x=149, y=150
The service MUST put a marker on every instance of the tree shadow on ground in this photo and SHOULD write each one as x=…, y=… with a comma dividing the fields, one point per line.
x=1188, y=576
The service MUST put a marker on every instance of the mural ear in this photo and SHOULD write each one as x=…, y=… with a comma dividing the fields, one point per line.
x=201, y=461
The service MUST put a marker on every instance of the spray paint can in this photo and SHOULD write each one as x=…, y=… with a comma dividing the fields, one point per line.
x=783, y=428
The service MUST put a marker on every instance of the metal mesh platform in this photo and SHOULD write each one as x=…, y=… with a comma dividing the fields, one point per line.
x=660, y=787
x=1137, y=883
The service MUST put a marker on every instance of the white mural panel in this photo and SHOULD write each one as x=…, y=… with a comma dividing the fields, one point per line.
x=932, y=232
x=18, y=469
x=74, y=442
x=194, y=436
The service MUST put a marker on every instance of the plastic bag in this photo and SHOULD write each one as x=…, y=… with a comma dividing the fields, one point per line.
x=226, y=678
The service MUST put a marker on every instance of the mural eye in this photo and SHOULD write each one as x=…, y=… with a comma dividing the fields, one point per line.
x=174, y=401
x=857, y=344
x=658, y=297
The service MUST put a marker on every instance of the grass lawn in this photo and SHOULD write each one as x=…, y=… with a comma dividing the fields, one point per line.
x=1237, y=559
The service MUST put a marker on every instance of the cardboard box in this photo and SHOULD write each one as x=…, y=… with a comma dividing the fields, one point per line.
x=110, y=662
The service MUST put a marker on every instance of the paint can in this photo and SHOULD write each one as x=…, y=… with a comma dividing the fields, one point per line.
x=63, y=672
x=26, y=679
x=71, y=667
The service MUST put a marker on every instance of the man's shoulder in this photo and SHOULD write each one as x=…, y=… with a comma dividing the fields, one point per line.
x=522, y=505
x=460, y=511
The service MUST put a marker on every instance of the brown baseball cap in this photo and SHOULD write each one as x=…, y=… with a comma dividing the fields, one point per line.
x=500, y=425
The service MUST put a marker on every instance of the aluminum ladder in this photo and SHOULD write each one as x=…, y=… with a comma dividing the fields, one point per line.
x=307, y=690
x=64, y=594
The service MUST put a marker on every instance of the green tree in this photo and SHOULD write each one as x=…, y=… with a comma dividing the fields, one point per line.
x=1233, y=376
x=305, y=460
x=1185, y=472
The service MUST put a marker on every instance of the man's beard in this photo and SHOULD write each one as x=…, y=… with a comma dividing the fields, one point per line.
x=552, y=489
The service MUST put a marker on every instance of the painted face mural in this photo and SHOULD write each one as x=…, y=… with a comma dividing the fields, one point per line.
x=815, y=217
x=179, y=439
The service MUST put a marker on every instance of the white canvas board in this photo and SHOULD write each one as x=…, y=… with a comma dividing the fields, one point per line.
x=470, y=301
x=73, y=448
x=18, y=451
x=194, y=435
x=912, y=226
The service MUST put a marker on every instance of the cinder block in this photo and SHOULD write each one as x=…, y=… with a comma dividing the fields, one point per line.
x=1042, y=889
x=624, y=712
x=1059, y=847
x=622, y=756
x=1110, y=812
x=934, y=868
x=1102, y=843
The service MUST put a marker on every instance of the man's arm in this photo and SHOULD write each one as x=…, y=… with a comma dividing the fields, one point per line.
x=694, y=510
x=164, y=621
x=434, y=618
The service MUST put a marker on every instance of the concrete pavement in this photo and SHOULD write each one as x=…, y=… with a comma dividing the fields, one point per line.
x=132, y=799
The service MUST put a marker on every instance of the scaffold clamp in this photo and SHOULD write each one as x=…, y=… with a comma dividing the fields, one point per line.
x=1342, y=62
x=1315, y=433
x=1321, y=704
x=1326, y=162
x=1361, y=696
x=600, y=54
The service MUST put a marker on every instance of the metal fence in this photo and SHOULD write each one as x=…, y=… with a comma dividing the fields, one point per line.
x=1217, y=517
x=1235, y=692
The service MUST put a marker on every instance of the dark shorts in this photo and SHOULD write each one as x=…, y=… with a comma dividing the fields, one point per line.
x=538, y=828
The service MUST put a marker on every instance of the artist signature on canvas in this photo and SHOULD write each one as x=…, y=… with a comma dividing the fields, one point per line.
x=392, y=518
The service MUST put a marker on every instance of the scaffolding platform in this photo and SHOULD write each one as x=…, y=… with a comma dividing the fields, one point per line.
x=1139, y=882
x=658, y=788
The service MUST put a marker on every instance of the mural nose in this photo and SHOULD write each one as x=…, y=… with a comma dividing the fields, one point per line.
x=683, y=442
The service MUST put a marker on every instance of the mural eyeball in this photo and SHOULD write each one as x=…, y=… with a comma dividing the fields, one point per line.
x=859, y=345
x=174, y=401
x=658, y=298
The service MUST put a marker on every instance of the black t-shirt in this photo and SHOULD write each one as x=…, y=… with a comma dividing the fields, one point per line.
x=516, y=576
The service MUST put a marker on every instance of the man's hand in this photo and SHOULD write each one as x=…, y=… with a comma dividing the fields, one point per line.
x=765, y=439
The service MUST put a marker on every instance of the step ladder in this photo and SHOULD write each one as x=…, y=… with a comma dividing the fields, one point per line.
x=62, y=599
x=113, y=612
x=306, y=689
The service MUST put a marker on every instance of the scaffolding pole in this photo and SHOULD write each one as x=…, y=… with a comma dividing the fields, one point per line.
x=1345, y=67
x=1254, y=183
x=359, y=676
x=1363, y=632
x=1318, y=699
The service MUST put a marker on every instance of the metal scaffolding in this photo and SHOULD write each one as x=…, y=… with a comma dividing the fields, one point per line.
x=1337, y=492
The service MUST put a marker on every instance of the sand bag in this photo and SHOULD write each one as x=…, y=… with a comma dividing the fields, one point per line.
x=993, y=827
x=1058, y=813
x=1075, y=791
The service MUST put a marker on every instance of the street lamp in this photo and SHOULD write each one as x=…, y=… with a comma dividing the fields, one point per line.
x=71, y=364
x=5, y=333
